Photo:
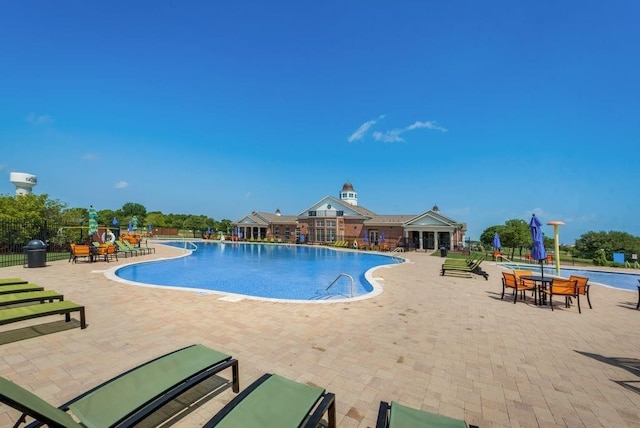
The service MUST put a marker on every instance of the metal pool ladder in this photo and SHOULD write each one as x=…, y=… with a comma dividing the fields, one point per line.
x=338, y=277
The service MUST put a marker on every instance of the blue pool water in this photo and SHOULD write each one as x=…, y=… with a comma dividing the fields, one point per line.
x=295, y=272
x=623, y=280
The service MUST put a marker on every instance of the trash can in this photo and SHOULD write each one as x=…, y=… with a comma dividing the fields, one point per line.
x=443, y=251
x=35, y=253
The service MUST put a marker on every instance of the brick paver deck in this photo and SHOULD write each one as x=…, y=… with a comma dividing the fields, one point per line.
x=444, y=344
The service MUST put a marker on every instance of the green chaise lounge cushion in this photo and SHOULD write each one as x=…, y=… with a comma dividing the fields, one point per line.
x=21, y=313
x=114, y=401
x=25, y=401
x=29, y=296
x=407, y=417
x=275, y=402
x=12, y=281
x=129, y=397
x=18, y=288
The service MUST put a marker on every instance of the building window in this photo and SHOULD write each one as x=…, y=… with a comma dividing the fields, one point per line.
x=331, y=235
x=319, y=223
x=320, y=235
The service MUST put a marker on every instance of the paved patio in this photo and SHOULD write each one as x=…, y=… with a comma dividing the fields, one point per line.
x=443, y=344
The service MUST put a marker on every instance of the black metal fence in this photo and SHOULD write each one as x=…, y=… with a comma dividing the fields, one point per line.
x=16, y=234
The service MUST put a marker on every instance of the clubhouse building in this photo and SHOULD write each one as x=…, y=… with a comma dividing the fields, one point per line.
x=342, y=220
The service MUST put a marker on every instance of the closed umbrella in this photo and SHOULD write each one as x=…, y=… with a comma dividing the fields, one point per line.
x=537, y=250
x=496, y=246
x=93, y=221
x=496, y=242
x=134, y=223
x=365, y=238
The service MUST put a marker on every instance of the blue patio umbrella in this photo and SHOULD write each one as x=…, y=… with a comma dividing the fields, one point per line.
x=537, y=250
x=208, y=231
x=130, y=227
x=365, y=238
x=496, y=241
x=93, y=221
x=149, y=227
x=115, y=221
x=382, y=238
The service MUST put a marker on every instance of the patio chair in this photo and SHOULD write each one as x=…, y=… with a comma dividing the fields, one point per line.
x=396, y=415
x=107, y=251
x=128, y=398
x=583, y=286
x=12, y=281
x=275, y=401
x=80, y=251
x=510, y=280
x=526, y=283
x=563, y=287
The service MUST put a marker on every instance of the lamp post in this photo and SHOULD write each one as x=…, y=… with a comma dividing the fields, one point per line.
x=555, y=225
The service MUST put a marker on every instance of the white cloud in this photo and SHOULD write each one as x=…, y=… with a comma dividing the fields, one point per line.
x=362, y=130
x=429, y=125
x=394, y=135
x=39, y=120
x=121, y=185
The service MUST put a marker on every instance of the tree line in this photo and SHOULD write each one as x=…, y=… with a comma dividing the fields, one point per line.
x=597, y=246
x=38, y=208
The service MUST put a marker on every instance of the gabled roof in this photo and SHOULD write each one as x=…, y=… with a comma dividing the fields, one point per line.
x=336, y=204
x=389, y=220
x=251, y=219
x=275, y=218
x=265, y=219
x=431, y=218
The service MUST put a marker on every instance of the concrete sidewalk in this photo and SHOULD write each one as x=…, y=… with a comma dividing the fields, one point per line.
x=440, y=343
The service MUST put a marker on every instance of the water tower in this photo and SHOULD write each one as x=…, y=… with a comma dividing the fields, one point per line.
x=24, y=182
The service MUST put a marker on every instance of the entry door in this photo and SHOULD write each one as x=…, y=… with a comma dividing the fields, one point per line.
x=373, y=237
x=428, y=239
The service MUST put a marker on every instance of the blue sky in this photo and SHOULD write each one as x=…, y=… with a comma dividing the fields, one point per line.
x=492, y=110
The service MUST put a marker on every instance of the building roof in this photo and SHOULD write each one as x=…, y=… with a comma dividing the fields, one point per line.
x=347, y=187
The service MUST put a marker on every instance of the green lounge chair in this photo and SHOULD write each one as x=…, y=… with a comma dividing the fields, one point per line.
x=21, y=313
x=12, y=281
x=19, y=288
x=466, y=270
x=278, y=402
x=143, y=250
x=395, y=415
x=30, y=296
x=125, y=250
x=128, y=398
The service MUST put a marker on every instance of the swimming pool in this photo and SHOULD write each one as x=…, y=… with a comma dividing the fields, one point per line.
x=622, y=280
x=271, y=271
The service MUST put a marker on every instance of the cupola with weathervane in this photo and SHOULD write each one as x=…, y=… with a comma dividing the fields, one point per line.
x=348, y=194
